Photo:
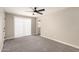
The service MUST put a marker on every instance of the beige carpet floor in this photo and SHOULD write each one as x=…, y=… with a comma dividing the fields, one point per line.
x=35, y=44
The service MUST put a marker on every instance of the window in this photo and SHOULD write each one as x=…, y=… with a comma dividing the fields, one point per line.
x=22, y=26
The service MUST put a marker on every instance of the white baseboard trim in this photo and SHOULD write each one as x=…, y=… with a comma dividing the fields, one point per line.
x=9, y=38
x=13, y=37
x=75, y=46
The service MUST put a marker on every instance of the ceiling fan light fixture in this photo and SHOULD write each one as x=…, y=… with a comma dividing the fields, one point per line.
x=34, y=13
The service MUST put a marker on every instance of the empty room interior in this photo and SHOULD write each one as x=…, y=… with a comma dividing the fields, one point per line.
x=39, y=29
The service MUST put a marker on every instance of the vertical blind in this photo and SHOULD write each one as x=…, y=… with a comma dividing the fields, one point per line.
x=22, y=26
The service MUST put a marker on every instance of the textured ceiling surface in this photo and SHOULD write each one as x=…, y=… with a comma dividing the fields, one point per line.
x=25, y=10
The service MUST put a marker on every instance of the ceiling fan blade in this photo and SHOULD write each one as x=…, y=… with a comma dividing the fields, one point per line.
x=41, y=10
x=40, y=13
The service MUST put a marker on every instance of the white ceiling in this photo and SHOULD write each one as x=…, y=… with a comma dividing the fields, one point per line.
x=23, y=10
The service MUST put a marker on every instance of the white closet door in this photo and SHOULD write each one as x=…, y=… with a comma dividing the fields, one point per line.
x=22, y=26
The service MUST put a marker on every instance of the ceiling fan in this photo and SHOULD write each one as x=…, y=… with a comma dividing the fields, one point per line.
x=35, y=10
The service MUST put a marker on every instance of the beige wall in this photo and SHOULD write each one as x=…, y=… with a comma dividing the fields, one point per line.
x=33, y=29
x=9, y=27
x=62, y=25
x=37, y=26
x=2, y=17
